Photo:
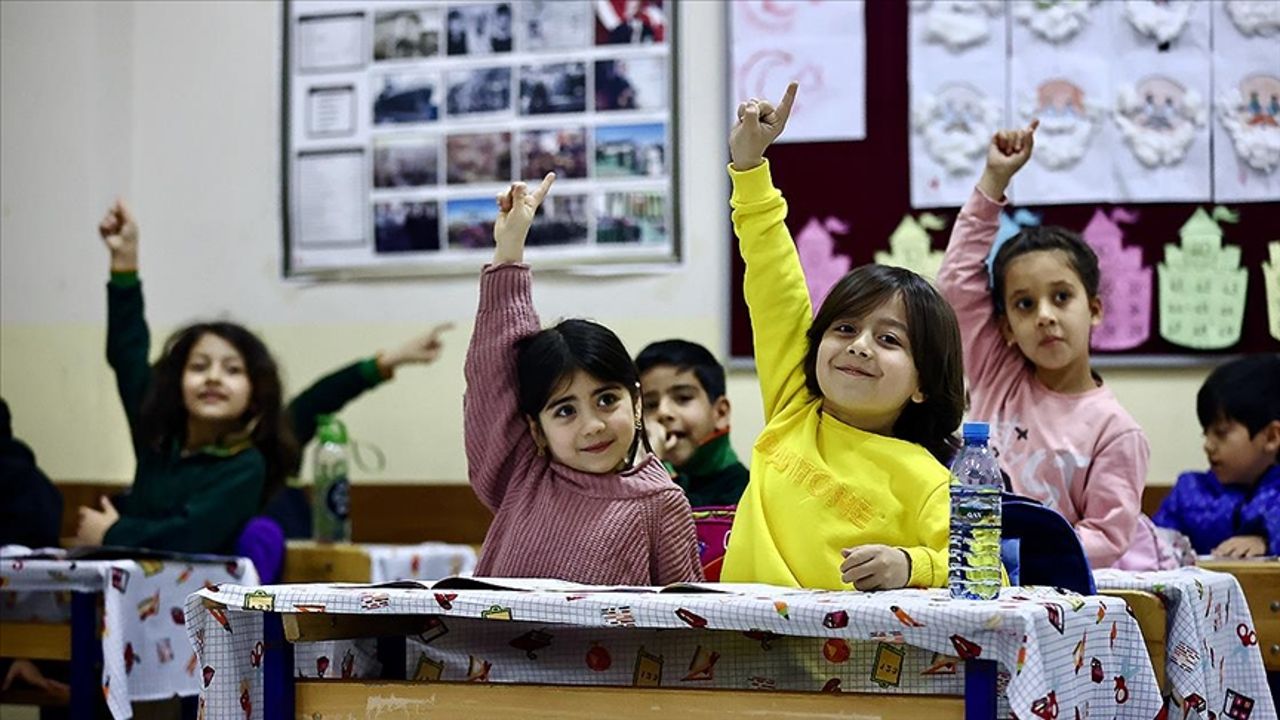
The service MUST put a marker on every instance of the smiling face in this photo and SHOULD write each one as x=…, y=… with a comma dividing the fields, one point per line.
x=215, y=385
x=587, y=424
x=865, y=369
x=1049, y=315
x=675, y=399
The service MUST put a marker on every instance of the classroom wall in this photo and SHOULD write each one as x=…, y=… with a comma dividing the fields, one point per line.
x=175, y=106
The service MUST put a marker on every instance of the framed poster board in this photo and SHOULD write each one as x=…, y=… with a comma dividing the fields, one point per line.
x=403, y=120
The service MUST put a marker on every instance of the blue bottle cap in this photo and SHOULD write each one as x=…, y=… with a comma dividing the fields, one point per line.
x=976, y=430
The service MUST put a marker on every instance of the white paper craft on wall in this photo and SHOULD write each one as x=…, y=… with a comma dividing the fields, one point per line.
x=959, y=25
x=1253, y=17
x=405, y=120
x=1246, y=122
x=957, y=101
x=822, y=45
x=1054, y=22
x=1161, y=20
x=1068, y=90
x=1161, y=114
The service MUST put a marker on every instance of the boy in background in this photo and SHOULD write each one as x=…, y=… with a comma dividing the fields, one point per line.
x=1233, y=509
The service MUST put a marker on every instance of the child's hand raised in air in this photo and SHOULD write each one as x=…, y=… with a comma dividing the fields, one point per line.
x=120, y=232
x=875, y=567
x=1008, y=152
x=759, y=124
x=516, y=208
x=421, y=349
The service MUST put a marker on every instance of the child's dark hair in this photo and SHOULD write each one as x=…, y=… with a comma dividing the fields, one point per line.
x=548, y=358
x=1246, y=390
x=1031, y=239
x=683, y=356
x=163, y=417
x=936, y=350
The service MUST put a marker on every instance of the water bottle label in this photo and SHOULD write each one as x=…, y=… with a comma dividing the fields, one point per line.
x=337, y=498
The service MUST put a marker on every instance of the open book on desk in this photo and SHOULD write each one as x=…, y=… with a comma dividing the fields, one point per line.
x=552, y=585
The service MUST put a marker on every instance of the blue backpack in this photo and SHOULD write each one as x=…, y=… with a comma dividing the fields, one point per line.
x=1039, y=547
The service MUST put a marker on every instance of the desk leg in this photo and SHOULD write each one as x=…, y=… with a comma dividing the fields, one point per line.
x=86, y=654
x=979, y=690
x=391, y=653
x=277, y=668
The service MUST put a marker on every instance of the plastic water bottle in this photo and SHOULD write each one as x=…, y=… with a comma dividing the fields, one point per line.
x=330, y=521
x=976, y=483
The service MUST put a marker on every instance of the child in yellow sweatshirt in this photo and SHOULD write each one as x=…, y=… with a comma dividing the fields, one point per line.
x=861, y=401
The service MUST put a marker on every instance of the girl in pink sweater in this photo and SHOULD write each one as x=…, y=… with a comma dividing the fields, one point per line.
x=554, y=438
x=1061, y=435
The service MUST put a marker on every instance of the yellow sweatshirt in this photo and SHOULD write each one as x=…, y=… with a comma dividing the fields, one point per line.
x=817, y=485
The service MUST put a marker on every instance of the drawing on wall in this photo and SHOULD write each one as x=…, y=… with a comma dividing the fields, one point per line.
x=1054, y=20
x=1159, y=118
x=1160, y=20
x=956, y=123
x=1251, y=116
x=1068, y=122
x=959, y=25
x=1254, y=17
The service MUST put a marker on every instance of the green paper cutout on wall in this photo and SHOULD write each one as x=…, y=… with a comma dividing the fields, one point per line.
x=1202, y=286
x=1271, y=280
x=910, y=246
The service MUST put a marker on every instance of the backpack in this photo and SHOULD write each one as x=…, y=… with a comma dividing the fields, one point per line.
x=1040, y=547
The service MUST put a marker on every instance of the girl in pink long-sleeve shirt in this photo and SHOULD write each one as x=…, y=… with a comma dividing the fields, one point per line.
x=1062, y=436
x=554, y=443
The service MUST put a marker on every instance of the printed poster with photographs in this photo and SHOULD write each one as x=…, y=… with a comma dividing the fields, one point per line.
x=406, y=119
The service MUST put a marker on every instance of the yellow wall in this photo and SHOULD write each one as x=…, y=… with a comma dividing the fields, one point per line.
x=175, y=105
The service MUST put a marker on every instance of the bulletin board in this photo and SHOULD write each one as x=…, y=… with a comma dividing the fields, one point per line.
x=851, y=198
x=402, y=121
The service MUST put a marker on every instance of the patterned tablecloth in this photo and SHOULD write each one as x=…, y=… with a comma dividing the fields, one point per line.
x=423, y=561
x=1214, y=663
x=1060, y=654
x=146, y=651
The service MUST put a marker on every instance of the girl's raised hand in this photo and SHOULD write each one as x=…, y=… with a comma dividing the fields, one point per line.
x=759, y=124
x=516, y=208
x=1008, y=152
x=119, y=231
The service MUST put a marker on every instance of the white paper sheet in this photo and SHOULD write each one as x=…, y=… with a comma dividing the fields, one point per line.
x=330, y=42
x=958, y=100
x=1244, y=64
x=330, y=196
x=331, y=110
x=822, y=45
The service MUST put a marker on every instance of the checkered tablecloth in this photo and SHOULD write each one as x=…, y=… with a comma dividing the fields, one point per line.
x=145, y=648
x=1214, y=662
x=1058, y=652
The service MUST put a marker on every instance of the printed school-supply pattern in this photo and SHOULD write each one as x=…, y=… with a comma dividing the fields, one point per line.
x=145, y=649
x=1058, y=652
x=1214, y=661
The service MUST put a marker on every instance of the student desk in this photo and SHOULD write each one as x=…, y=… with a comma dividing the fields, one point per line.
x=308, y=561
x=473, y=652
x=1260, y=581
x=1212, y=645
x=143, y=647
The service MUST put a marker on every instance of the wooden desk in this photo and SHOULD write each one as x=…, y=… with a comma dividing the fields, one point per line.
x=1260, y=580
x=308, y=561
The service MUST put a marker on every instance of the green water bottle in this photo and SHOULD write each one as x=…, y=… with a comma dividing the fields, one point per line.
x=330, y=493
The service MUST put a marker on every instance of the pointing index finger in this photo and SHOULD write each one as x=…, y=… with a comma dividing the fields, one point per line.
x=788, y=99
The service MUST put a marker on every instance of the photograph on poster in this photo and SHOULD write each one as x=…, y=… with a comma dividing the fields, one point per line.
x=478, y=157
x=631, y=84
x=406, y=34
x=470, y=222
x=479, y=90
x=631, y=150
x=561, y=220
x=633, y=217
x=554, y=24
x=479, y=29
x=405, y=98
x=559, y=150
x=405, y=162
x=553, y=88
x=630, y=22
x=407, y=226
